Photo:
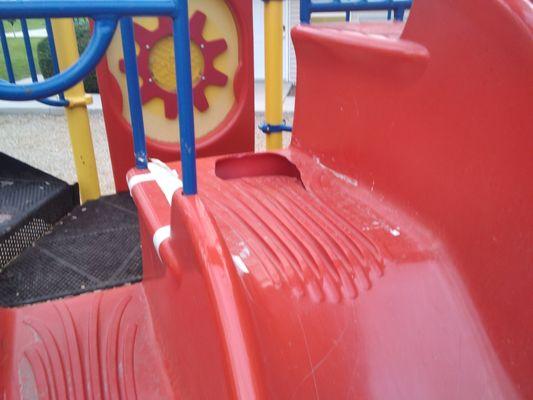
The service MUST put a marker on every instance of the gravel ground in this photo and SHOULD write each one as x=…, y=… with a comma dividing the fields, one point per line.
x=42, y=141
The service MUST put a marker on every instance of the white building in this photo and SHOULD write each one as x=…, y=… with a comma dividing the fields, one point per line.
x=291, y=16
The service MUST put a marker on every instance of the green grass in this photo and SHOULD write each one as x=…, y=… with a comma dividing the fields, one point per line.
x=18, y=58
x=32, y=24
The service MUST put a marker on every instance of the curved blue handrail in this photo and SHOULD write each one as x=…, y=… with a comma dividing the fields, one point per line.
x=103, y=33
x=95, y=9
x=31, y=63
x=106, y=13
x=54, y=102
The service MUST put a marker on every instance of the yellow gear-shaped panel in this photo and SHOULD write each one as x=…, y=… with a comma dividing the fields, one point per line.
x=219, y=24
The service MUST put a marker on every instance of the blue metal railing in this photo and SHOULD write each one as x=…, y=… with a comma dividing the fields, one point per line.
x=397, y=7
x=7, y=55
x=106, y=15
x=60, y=102
x=55, y=64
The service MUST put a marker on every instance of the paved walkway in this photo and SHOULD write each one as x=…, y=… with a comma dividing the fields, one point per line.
x=34, y=107
x=34, y=33
x=42, y=140
x=38, y=134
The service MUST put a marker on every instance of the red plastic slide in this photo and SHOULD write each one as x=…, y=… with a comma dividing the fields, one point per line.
x=387, y=254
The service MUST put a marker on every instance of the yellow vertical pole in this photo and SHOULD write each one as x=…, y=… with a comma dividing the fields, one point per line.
x=274, y=70
x=76, y=112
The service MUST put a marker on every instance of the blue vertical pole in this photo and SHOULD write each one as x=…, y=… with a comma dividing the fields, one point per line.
x=305, y=11
x=53, y=51
x=7, y=56
x=134, y=96
x=29, y=51
x=398, y=14
x=182, y=53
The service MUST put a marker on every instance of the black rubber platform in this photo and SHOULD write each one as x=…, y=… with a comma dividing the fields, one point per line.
x=96, y=246
x=31, y=201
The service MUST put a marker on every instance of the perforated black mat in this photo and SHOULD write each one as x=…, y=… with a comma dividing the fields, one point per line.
x=96, y=246
x=31, y=201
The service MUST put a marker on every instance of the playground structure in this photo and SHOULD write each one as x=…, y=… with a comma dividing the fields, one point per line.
x=386, y=253
x=222, y=73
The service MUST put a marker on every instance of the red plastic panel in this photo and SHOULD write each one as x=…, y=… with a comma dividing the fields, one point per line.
x=98, y=346
x=446, y=134
x=322, y=288
x=233, y=134
x=395, y=263
x=154, y=340
x=386, y=254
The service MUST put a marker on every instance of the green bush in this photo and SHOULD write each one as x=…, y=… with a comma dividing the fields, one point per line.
x=83, y=36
